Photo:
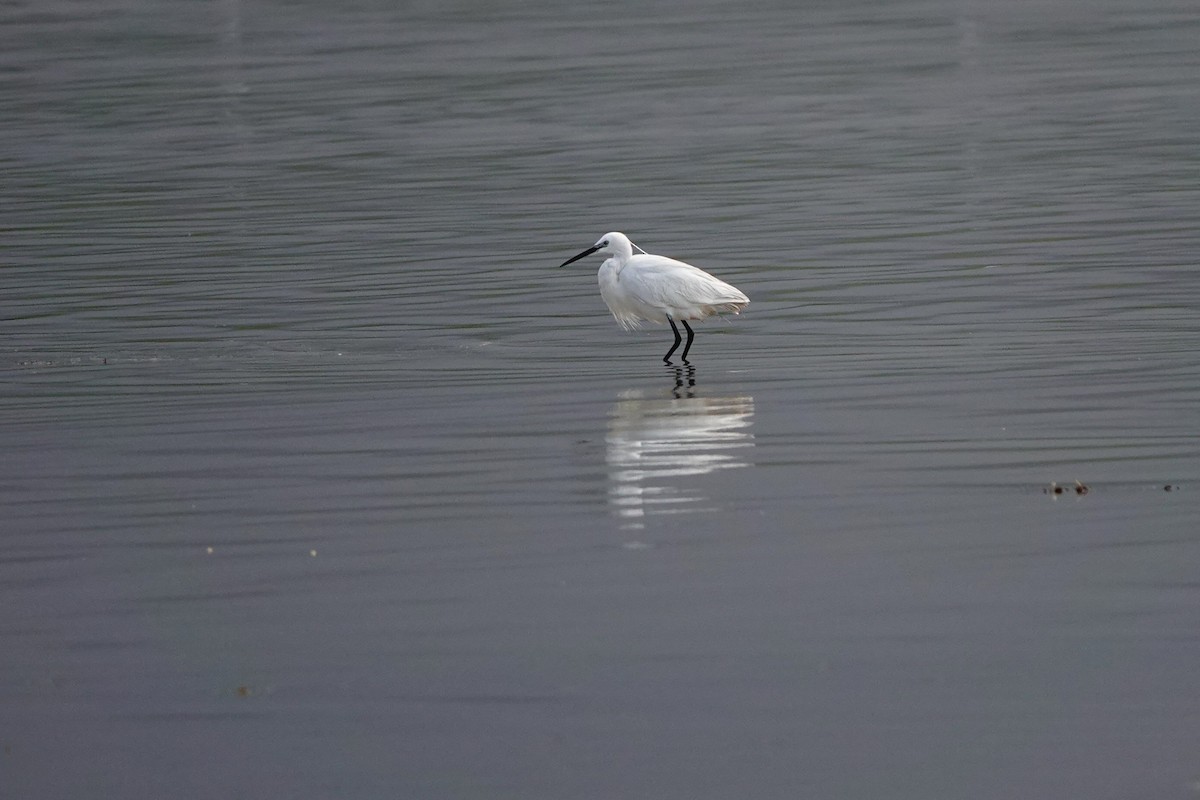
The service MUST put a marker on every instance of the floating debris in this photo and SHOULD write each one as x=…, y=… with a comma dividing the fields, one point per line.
x=1079, y=488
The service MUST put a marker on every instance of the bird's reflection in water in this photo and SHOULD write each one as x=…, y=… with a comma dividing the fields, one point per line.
x=657, y=439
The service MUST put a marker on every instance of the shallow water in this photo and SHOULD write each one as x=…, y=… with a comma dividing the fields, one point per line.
x=321, y=480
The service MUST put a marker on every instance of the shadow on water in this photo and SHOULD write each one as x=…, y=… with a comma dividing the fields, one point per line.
x=658, y=439
x=685, y=381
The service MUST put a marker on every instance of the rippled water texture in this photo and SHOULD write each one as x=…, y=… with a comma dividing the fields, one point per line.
x=321, y=480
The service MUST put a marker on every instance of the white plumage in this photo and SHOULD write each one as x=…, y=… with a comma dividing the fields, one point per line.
x=648, y=288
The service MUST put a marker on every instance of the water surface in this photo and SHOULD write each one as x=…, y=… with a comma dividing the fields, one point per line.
x=321, y=480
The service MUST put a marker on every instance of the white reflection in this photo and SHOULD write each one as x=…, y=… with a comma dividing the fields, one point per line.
x=654, y=442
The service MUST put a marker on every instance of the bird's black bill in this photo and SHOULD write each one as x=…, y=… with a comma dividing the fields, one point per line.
x=587, y=252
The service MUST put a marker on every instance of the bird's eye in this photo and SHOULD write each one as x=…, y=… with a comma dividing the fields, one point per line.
x=604, y=243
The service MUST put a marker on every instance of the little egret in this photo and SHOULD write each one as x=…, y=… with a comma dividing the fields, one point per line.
x=649, y=288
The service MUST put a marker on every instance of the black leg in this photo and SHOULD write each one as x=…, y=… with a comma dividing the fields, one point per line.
x=678, y=339
x=691, y=335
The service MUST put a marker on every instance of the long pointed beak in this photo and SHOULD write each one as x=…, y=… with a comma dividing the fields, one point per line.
x=587, y=252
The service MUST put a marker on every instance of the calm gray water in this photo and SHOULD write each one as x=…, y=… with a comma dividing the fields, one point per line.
x=319, y=479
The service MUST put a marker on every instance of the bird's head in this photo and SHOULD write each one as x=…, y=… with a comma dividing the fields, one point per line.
x=613, y=243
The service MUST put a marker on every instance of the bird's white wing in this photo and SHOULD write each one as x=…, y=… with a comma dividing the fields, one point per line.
x=678, y=289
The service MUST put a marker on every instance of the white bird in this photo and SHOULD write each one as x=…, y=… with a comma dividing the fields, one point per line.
x=648, y=288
